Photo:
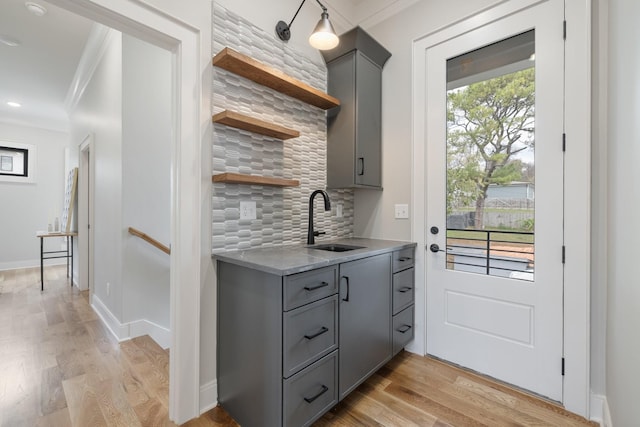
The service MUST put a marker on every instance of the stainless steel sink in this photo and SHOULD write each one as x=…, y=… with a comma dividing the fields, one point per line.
x=335, y=247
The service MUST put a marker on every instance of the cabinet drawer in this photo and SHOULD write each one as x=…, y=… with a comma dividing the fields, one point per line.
x=403, y=290
x=402, y=329
x=309, y=332
x=303, y=288
x=311, y=392
x=403, y=259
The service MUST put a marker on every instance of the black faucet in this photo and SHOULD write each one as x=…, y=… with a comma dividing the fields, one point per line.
x=327, y=207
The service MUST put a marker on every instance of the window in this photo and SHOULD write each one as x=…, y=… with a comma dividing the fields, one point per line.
x=17, y=162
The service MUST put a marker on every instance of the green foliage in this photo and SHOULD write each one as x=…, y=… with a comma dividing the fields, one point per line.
x=488, y=123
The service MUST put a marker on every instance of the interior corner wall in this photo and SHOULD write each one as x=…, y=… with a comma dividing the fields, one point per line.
x=374, y=213
x=599, y=205
x=27, y=208
x=146, y=179
x=99, y=111
x=623, y=134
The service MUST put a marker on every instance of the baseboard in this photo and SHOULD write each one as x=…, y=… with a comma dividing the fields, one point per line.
x=208, y=396
x=599, y=410
x=29, y=263
x=137, y=328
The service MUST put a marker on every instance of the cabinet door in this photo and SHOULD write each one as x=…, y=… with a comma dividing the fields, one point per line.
x=365, y=319
x=368, y=122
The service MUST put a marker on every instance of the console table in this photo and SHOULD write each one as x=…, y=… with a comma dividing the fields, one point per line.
x=68, y=253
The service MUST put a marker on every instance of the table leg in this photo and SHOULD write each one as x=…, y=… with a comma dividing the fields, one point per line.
x=71, y=262
x=41, y=264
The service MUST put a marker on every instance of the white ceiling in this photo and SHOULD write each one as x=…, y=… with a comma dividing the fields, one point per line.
x=39, y=72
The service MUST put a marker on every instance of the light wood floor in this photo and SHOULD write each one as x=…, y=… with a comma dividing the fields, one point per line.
x=60, y=367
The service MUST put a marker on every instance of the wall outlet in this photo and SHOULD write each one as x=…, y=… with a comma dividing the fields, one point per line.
x=247, y=210
x=108, y=288
x=402, y=211
x=339, y=210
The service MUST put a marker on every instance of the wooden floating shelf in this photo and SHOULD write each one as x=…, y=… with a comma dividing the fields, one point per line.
x=239, y=178
x=265, y=75
x=240, y=121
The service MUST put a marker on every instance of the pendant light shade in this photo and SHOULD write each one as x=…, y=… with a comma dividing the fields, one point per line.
x=324, y=37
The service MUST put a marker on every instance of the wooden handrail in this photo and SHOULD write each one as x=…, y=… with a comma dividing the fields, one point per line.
x=150, y=240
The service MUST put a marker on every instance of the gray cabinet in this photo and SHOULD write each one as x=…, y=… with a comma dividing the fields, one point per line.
x=354, y=140
x=403, y=298
x=290, y=347
x=354, y=131
x=365, y=310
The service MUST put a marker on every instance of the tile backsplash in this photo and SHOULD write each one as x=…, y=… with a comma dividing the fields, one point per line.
x=282, y=213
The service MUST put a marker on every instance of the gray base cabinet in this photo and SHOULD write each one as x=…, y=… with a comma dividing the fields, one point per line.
x=290, y=347
x=365, y=310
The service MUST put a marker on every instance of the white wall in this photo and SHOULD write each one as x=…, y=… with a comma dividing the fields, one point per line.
x=28, y=208
x=99, y=111
x=146, y=181
x=623, y=308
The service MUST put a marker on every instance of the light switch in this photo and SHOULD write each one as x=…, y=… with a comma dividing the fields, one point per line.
x=247, y=210
x=402, y=211
x=339, y=210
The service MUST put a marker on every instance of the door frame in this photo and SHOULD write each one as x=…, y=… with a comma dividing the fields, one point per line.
x=86, y=192
x=577, y=183
x=186, y=32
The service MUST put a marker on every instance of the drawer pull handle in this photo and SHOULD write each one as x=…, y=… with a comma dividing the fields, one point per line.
x=312, y=398
x=404, y=289
x=404, y=258
x=313, y=288
x=404, y=328
x=346, y=299
x=317, y=334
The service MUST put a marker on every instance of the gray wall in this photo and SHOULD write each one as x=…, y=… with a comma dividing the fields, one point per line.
x=282, y=214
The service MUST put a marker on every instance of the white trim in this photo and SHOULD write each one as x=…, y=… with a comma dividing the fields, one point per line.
x=577, y=232
x=577, y=206
x=97, y=43
x=189, y=39
x=137, y=328
x=208, y=396
x=600, y=410
x=29, y=263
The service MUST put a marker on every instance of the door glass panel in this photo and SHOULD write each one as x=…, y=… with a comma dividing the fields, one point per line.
x=490, y=159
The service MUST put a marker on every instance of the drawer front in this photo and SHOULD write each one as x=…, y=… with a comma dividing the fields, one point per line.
x=403, y=290
x=402, y=329
x=309, y=332
x=311, y=392
x=403, y=259
x=303, y=288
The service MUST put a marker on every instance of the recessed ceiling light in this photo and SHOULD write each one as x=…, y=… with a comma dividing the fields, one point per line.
x=35, y=8
x=14, y=104
x=9, y=41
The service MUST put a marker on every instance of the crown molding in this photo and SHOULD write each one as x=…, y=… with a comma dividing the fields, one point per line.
x=99, y=39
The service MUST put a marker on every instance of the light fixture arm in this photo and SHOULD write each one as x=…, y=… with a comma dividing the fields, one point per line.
x=324, y=10
x=283, y=29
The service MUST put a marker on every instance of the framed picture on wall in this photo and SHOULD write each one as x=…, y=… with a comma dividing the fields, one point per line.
x=17, y=162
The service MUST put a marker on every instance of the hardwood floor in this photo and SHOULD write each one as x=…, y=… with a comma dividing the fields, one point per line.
x=60, y=367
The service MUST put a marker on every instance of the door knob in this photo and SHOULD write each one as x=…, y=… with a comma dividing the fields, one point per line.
x=435, y=248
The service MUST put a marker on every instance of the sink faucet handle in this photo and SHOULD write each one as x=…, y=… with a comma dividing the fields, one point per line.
x=319, y=233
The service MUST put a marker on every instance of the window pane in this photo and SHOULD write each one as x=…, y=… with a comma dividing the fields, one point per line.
x=490, y=159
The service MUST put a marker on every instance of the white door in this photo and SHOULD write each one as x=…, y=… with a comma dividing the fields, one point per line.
x=494, y=171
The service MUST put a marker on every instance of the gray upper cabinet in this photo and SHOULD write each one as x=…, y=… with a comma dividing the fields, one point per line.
x=354, y=131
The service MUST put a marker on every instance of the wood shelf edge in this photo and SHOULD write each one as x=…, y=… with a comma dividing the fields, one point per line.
x=239, y=178
x=251, y=124
x=265, y=75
